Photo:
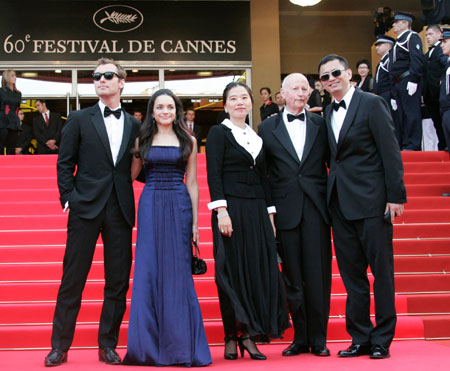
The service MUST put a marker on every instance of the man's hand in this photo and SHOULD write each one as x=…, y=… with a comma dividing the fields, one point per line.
x=396, y=210
x=51, y=143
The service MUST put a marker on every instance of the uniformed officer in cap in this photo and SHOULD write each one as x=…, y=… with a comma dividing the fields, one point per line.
x=444, y=99
x=382, y=82
x=406, y=71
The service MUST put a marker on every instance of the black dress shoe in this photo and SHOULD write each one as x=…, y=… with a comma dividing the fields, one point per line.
x=321, y=351
x=295, y=349
x=355, y=350
x=55, y=358
x=109, y=356
x=445, y=195
x=379, y=352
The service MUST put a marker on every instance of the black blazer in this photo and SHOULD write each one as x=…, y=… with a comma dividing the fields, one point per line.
x=367, y=85
x=85, y=146
x=231, y=169
x=366, y=165
x=43, y=133
x=434, y=70
x=291, y=178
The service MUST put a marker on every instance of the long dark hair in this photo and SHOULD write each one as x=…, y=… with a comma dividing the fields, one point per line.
x=149, y=127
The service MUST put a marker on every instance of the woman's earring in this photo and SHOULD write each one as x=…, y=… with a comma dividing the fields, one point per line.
x=226, y=111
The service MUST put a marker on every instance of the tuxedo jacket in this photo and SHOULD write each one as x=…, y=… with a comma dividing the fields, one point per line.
x=291, y=178
x=85, y=148
x=366, y=166
x=434, y=70
x=232, y=170
x=43, y=133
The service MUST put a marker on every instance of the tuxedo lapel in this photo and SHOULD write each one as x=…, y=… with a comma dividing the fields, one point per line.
x=311, y=133
x=99, y=124
x=331, y=138
x=125, y=136
x=349, y=117
x=280, y=132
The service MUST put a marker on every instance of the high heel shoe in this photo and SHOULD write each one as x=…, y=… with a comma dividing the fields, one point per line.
x=258, y=356
x=230, y=356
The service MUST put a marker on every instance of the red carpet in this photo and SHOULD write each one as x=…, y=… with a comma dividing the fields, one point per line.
x=32, y=242
x=405, y=356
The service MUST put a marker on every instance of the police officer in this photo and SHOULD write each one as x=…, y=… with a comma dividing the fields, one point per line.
x=406, y=70
x=434, y=62
x=444, y=99
x=382, y=82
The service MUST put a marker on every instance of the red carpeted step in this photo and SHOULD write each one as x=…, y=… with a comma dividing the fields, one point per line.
x=426, y=167
x=422, y=283
x=422, y=246
x=431, y=156
x=424, y=216
x=86, y=334
x=428, y=203
x=437, y=326
x=426, y=264
x=421, y=190
x=422, y=230
x=9, y=171
x=428, y=303
x=427, y=178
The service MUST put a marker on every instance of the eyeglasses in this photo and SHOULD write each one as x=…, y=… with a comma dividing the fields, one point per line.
x=335, y=73
x=108, y=75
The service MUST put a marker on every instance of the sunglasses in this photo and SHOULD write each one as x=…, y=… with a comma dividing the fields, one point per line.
x=335, y=73
x=108, y=75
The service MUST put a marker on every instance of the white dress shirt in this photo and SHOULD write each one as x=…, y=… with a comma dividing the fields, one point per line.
x=252, y=143
x=337, y=117
x=297, y=132
x=114, y=128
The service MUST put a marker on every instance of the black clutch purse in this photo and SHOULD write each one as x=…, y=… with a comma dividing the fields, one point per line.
x=198, y=265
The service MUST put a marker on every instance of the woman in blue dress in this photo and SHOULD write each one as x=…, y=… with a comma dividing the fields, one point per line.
x=166, y=326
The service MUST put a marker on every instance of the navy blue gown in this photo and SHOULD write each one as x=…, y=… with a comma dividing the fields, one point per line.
x=166, y=326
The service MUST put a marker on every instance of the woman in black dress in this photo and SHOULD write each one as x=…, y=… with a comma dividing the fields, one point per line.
x=366, y=82
x=251, y=295
x=10, y=99
x=268, y=108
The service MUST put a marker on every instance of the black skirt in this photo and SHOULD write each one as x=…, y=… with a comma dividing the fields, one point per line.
x=247, y=270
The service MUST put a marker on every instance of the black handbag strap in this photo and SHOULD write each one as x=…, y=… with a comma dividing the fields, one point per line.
x=196, y=250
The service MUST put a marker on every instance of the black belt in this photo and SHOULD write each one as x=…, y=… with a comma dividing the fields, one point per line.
x=399, y=78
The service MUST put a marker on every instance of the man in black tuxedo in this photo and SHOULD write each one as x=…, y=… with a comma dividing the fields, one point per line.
x=435, y=62
x=47, y=128
x=97, y=141
x=296, y=147
x=195, y=130
x=365, y=193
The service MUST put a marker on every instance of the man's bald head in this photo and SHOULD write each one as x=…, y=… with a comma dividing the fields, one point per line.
x=295, y=90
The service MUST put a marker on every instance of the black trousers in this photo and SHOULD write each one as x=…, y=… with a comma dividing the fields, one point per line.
x=408, y=118
x=446, y=125
x=359, y=244
x=435, y=114
x=306, y=255
x=82, y=235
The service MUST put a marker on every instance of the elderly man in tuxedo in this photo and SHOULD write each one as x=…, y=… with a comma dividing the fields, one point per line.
x=365, y=193
x=97, y=142
x=296, y=146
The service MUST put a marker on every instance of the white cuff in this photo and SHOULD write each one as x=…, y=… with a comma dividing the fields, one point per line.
x=66, y=206
x=272, y=210
x=218, y=203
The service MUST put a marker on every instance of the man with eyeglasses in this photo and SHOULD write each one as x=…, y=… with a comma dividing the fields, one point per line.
x=97, y=143
x=365, y=192
x=406, y=71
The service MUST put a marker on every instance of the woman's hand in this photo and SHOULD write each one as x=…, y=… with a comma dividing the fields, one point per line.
x=224, y=222
x=195, y=234
x=273, y=224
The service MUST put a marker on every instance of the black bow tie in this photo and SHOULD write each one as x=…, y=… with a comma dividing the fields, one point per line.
x=340, y=104
x=109, y=111
x=300, y=117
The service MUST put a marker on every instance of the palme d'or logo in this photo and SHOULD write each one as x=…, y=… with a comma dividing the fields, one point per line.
x=118, y=18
